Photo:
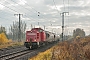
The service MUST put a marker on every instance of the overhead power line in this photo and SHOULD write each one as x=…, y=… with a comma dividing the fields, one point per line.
x=68, y=5
x=28, y=9
x=39, y=14
x=56, y=6
x=17, y=8
x=63, y=5
x=31, y=7
x=9, y=8
x=22, y=6
x=68, y=18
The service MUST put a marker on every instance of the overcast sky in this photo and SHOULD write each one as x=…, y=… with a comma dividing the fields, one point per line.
x=49, y=14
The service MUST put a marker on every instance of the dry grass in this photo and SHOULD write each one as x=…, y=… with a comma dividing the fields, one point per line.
x=11, y=44
x=78, y=49
x=43, y=56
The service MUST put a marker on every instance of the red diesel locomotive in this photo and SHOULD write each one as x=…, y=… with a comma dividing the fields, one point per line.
x=37, y=37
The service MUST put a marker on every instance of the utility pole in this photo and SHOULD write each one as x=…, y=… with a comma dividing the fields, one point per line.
x=19, y=33
x=52, y=28
x=31, y=26
x=63, y=13
x=38, y=16
x=44, y=27
x=38, y=25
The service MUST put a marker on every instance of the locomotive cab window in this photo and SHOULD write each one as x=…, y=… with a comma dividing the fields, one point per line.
x=40, y=30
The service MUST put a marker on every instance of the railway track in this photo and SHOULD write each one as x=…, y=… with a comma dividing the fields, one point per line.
x=13, y=55
x=11, y=49
x=23, y=54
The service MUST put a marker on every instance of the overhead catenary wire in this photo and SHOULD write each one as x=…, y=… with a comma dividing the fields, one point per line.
x=28, y=9
x=63, y=6
x=31, y=7
x=67, y=20
x=20, y=10
x=68, y=5
x=9, y=8
x=22, y=6
x=68, y=17
x=56, y=6
x=13, y=9
x=40, y=14
x=37, y=12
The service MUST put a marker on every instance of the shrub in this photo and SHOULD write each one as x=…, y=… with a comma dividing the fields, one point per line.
x=3, y=38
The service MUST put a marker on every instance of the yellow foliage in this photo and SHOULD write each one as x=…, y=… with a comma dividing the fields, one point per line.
x=4, y=42
x=75, y=50
x=3, y=38
x=10, y=44
x=86, y=39
x=43, y=56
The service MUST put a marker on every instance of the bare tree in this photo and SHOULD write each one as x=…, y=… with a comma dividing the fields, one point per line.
x=14, y=30
x=78, y=32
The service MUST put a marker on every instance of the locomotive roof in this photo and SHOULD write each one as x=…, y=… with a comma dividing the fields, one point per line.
x=49, y=32
x=36, y=29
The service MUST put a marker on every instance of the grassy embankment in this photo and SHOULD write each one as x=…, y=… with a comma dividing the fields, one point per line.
x=4, y=42
x=78, y=49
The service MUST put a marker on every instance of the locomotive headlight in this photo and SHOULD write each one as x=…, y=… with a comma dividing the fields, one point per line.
x=27, y=39
x=35, y=40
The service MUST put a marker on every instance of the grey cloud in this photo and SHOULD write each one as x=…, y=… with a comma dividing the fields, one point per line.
x=47, y=14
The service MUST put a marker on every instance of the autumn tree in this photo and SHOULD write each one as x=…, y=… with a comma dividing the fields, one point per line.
x=78, y=32
x=3, y=30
